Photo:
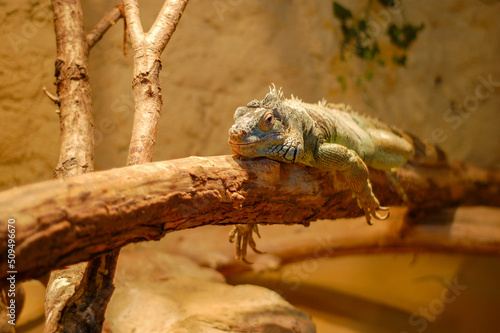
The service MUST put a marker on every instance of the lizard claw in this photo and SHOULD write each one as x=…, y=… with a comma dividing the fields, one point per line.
x=370, y=205
x=244, y=238
x=380, y=217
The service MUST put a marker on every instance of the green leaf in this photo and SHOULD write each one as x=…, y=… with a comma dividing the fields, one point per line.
x=349, y=33
x=341, y=12
x=403, y=36
x=367, y=52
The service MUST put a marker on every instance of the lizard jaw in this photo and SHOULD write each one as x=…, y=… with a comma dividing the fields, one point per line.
x=286, y=150
x=232, y=143
x=250, y=149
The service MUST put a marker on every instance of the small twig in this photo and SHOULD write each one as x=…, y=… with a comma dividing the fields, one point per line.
x=125, y=30
x=51, y=96
x=104, y=24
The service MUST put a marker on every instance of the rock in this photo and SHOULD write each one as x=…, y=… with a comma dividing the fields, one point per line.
x=157, y=292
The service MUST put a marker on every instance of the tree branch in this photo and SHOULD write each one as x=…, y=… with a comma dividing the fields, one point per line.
x=63, y=222
x=165, y=24
x=104, y=24
x=77, y=296
x=73, y=88
x=147, y=49
x=133, y=18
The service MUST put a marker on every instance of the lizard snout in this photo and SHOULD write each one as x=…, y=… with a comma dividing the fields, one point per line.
x=236, y=133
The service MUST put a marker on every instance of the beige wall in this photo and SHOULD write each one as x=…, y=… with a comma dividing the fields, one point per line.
x=219, y=59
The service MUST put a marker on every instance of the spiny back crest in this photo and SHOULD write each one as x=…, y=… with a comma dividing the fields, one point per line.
x=279, y=93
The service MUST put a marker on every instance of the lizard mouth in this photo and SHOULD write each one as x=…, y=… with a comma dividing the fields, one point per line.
x=232, y=143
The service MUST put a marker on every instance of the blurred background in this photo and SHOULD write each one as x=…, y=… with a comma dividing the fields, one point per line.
x=431, y=68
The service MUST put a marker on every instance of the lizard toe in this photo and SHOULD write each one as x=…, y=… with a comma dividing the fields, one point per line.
x=368, y=216
x=380, y=217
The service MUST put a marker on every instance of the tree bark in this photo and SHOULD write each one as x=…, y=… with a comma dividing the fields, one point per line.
x=147, y=50
x=77, y=297
x=63, y=222
x=74, y=297
x=72, y=80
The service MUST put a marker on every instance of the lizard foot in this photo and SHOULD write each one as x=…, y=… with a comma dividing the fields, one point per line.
x=244, y=238
x=370, y=205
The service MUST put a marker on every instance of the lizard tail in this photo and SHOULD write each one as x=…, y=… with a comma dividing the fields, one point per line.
x=426, y=153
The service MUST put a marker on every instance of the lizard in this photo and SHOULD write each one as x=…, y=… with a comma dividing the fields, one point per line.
x=330, y=137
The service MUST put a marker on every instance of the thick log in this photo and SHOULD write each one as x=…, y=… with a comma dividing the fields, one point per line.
x=62, y=222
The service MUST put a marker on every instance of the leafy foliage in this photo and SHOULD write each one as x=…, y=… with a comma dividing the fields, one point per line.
x=357, y=38
x=403, y=36
x=361, y=41
x=340, y=12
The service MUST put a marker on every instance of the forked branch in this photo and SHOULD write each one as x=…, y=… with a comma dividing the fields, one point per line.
x=147, y=50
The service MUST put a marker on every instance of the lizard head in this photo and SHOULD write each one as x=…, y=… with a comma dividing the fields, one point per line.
x=262, y=129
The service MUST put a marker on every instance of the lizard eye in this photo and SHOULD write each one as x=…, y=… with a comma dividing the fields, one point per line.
x=266, y=122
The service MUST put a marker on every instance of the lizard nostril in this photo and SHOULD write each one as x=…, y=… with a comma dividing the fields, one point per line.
x=237, y=133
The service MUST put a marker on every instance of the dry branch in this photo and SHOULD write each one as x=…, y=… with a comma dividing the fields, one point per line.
x=104, y=24
x=74, y=298
x=62, y=222
x=147, y=50
x=73, y=88
x=76, y=155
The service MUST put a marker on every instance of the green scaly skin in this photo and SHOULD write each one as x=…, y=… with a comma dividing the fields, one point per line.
x=325, y=136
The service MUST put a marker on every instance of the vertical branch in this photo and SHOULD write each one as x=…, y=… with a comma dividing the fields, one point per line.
x=73, y=88
x=77, y=296
x=147, y=49
x=165, y=24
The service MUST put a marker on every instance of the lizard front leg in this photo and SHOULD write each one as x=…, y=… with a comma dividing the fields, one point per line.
x=335, y=157
x=244, y=238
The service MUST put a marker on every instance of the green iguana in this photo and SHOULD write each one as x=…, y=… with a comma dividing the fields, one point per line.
x=330, y=137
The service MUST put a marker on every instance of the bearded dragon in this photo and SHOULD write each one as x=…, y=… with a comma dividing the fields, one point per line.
x=330, y=137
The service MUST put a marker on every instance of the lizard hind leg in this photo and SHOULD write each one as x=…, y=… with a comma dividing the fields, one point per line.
x=391, y=175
